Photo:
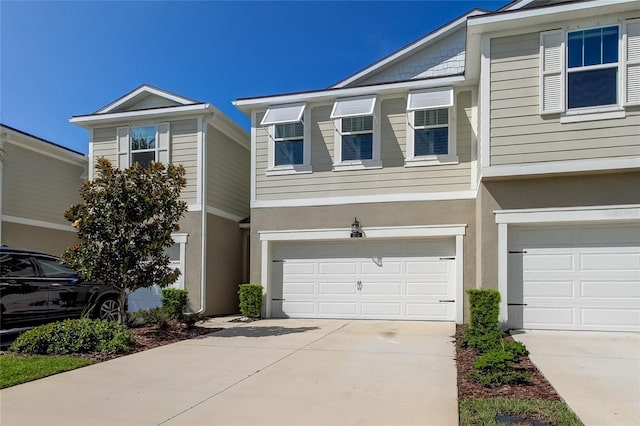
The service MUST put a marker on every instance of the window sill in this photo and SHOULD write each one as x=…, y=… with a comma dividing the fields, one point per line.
x=432, y=160
x=289, y=170
x=593, y=114
x=357, y=165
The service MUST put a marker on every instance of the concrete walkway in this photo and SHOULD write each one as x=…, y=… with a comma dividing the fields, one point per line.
x=278, y=372
x=597, y=374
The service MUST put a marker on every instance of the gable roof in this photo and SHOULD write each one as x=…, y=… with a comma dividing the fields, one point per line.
x=408, y=50
x=141, y=92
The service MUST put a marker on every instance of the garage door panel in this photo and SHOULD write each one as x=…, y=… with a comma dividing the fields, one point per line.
x=579, y=277
x=365, y=279
x=549, y=289
x=424, y=289
x=384, y=288
x=610, y=262
x=381, y=267
x=299, y=288
x=610, y=289
x=337, y=288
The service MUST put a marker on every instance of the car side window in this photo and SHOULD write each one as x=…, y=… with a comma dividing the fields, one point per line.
x=12, y=265
x=51, y=268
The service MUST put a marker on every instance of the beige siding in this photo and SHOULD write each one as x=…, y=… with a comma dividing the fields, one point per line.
x=105, y=145
x=38, y=187
x=519, y=134
x=392, y=178
x=184, y=150
x=228, y=174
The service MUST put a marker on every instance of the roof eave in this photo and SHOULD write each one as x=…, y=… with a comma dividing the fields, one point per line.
x=90, y=120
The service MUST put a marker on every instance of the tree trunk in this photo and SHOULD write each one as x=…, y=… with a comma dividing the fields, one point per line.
x=122, y=299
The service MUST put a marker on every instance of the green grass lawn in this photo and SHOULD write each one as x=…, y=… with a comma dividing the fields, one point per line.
x=483, y=411
x=16, y=369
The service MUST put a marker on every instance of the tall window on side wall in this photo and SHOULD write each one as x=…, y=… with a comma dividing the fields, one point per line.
x=289, y=150
x=143, y=144
x=357, y=133
x=592, y=67
x=430, y=127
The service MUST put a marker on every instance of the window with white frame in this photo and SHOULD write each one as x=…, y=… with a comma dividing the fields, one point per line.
x=289, y=148
x=357, y=133
x=142, y=144
x=430, y=127
x=592, y=67
x=590, y=73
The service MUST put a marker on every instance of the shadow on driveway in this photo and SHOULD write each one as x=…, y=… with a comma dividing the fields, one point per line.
x=256, y=331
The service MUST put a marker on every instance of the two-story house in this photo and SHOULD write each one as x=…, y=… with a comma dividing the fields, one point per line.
x=39, y=181
x=150, y=124
x=501, y=150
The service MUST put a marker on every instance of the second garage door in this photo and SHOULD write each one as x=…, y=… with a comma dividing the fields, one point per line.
x=365, y=279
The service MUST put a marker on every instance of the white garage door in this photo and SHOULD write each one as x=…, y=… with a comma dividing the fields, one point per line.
x=574, y=278
x=365, y=279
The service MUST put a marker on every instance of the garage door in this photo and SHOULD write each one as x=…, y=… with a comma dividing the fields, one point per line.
x=574, y=278
x=365, y=279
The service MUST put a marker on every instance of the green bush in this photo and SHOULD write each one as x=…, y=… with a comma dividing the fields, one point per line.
x=494, y=360
x=75, y=336
x=506, y=377
x=159, y=317
x=250, y=300
x=484, y=332
x=518, y=349
x=174, y=301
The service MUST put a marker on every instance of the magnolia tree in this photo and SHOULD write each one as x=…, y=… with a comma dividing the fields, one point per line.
x=124, y=224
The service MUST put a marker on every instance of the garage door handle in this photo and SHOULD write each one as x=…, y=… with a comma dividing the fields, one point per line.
x=359, y=284
x=447, y=300
x=517, y=252
x=516, y=304
x=278, y=299
x=447, y=258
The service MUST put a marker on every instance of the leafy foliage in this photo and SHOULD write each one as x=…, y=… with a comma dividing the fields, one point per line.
x=250, y=300
x=72, y=336
x=174, y=301
x=124, y=224
x=484, y=331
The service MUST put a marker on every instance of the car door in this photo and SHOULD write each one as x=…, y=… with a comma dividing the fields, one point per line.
x=67, y=298
x=24, y=296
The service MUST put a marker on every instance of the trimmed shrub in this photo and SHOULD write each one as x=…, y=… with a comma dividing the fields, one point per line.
x=484, y=332
x=507, y=377
x=518, y=349
x=250, y=300
x=82, y=335
x=175, y=301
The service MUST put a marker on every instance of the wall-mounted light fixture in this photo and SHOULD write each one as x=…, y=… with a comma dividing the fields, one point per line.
x=356, y=231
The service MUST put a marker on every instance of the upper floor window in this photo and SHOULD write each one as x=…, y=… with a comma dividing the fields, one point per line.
x=357, y=133
x=590, y=73
x=430, y=127
x=592, y=67
x=289, y=148
x=143, y=144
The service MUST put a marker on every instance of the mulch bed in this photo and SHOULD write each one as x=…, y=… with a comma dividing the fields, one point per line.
x=467, y=388
x=150, y=336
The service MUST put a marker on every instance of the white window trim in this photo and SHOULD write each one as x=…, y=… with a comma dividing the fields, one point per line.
x=603, y=112
x=157, y=150
x=375, y=162
x=290, y=169
x=412, y=160
x=180, y=239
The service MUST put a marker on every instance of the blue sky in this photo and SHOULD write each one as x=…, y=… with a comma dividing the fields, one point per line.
x=59, y=59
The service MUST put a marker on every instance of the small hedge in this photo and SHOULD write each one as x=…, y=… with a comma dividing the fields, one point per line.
x=174, y=301
x=75, y=336
x=250, y=300
x=484, y=331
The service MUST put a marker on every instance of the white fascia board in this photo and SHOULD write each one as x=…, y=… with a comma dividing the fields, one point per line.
x=628, y=212
x=364, y=199
x=246, y=105
x=37, y=223
x=224, y=214
x=47, y=149
x=144, y=89
x=563, y=11
x=95, y=119
x=223, y=123
x=451, y=27
x=420, y=231
x=569, y=166
x=518, y=5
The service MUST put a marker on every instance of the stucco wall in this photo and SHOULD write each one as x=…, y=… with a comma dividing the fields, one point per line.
x=50, y=241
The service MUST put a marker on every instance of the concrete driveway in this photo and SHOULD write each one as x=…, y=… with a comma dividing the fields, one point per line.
x=597, y=374
x=304, y=372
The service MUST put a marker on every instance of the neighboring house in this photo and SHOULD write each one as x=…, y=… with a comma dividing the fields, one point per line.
x=502, y=151
x=151, y=124
x=40, y=180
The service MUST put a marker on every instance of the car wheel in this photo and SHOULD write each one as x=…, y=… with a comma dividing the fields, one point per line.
x=108, y=309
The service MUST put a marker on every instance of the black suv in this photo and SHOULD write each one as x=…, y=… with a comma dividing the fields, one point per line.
x=36, y=288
